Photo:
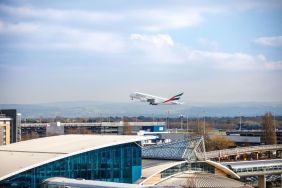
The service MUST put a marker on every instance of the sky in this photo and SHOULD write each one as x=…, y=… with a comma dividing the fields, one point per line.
x=69, y=50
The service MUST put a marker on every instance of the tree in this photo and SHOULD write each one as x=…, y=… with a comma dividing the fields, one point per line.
x=85, y=130
x=34, y=135
x=126, y=128
x=71, y=130
x=218, y=143
x=269, y=133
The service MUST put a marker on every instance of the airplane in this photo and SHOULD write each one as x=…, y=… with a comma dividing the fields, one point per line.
x=154, y=100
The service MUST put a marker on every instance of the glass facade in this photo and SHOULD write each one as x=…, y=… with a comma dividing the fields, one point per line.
x=258, y=169
x=120, y=163
x=197, y=166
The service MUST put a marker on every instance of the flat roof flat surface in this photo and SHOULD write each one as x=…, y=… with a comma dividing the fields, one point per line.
x=200, y=179
x=67, y=182
x=5, y=119
x=150, y=167
x=24, y=155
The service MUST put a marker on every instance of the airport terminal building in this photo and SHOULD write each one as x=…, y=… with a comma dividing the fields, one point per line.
x=94, y=157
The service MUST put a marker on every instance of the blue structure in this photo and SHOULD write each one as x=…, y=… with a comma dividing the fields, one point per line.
x=117, y=163
x=154, y=128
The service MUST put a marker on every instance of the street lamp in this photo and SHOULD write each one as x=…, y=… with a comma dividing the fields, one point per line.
x=187, y=124
x=181, y=121
x=204, y=123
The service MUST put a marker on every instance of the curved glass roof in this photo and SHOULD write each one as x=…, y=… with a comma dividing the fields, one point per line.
x=21, y=156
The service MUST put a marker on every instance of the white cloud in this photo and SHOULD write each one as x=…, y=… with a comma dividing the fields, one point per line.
x=39, y=36
x=20, y=28
x=145, y=19
x=235, y=61
x=167, y=17
x=177, y=53
x=275, y=41
x=158, y=48
x=157, y=19
x=89, y=41
x=157, y=40
x=210, y=44
x=61, y=15
x=274, y=65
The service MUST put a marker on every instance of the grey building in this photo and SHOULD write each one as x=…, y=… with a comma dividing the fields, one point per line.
x=255, y=133
x=15, y=127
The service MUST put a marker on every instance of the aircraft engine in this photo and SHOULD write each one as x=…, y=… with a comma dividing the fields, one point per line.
x=151, y=101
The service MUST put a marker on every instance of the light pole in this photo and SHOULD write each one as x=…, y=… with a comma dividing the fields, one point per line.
x=274, y=124
x=240, y=121
x=167, y=120
x=181, y=121
x=204, y=124
x=187, y=124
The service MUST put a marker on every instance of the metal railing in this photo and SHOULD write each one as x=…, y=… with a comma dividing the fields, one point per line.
x=241, y=150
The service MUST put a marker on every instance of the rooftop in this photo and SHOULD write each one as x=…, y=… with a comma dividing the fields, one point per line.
x=99, y=124
x=25, y=155
x=67, y=182
x=200, y=179
x=152, y=166
x=4, y=118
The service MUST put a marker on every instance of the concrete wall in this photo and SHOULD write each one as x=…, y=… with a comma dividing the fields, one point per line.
x=54, y=129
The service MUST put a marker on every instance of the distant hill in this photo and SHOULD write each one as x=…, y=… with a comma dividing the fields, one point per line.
x=95, y=109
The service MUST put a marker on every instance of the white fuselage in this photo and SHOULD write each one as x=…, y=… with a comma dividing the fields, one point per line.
x=154, y=100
